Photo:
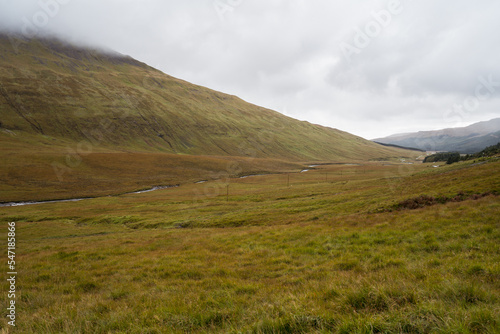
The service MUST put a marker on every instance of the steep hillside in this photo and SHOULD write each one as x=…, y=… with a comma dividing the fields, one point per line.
x=53, y=90
x=76, y=122
x=470, y=139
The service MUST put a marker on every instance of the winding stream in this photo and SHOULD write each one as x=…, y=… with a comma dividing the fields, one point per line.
x=41, y=202
x=11, y=204
x=14, y=204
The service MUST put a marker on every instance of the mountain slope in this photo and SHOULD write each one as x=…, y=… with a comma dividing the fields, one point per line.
x=76, y=122
x=51, y=89
x=470, y=139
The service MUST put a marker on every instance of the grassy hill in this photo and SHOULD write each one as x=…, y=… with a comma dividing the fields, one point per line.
x=61, y=91
x=62, y=105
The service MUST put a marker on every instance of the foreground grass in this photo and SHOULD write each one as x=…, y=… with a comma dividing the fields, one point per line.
x=315, y=257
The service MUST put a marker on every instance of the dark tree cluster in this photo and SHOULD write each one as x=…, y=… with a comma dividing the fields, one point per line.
x=452, y=157
x=487, y=152
x=449, y=157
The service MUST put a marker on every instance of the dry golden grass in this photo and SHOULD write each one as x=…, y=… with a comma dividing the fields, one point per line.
x=48, y=175
x=312, y=257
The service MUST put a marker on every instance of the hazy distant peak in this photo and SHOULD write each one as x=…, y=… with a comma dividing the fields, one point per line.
x=468, y=139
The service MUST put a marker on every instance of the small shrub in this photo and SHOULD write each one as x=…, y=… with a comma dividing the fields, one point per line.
x=101, y=309
x=347, y=265
x=467, y=294
x=366, y=299
x=476, y=270
x=293, y=325
x=481, y=322
x=211, y=319
x=331, y=294
x=348, y=328
x=394, y=263
x=118, y=295
x=402, y=297
x=431, y=247
x=70, y=256
x=246, y=290
x=192, y=275
x=186, y=224
x=434, y=263
x=42, y=278
x=87, y=287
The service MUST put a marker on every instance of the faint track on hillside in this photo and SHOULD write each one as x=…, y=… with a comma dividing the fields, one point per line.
x=20, y=110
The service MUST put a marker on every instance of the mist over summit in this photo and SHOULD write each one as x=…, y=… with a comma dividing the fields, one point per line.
x=52, y=88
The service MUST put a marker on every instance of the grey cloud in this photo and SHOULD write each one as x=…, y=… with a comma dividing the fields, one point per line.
x=285, y=55
x=443, y=49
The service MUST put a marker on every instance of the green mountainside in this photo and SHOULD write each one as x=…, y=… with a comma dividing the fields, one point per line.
x=49, y=89
x=76, y=122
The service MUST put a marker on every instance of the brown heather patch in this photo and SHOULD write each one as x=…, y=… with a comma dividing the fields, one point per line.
x=31, y=176
x=425, y=200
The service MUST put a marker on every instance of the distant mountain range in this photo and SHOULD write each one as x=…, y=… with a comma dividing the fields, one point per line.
x=469, y=139
x=52, y=92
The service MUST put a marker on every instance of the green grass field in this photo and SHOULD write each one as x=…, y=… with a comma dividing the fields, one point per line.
x=325, y=251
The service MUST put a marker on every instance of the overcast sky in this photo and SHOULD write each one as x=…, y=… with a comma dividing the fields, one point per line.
x=372, y=68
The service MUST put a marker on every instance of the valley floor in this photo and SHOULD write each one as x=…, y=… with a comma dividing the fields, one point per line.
x=331, y=250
